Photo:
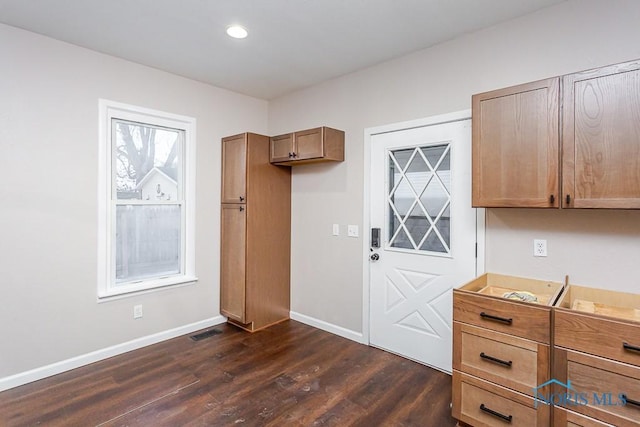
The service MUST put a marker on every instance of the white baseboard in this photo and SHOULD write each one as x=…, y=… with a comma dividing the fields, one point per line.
x=329, y=327
x=85, y=359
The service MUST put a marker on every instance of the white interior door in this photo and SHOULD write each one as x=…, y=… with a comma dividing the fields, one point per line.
x=421, y=203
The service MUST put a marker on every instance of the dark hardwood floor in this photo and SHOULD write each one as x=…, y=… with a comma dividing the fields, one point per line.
x=288, y=375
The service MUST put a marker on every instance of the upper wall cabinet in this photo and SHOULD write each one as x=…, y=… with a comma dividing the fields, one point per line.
x=601, y=138
x=518, y=142
x=515, y=146
x=309, y=146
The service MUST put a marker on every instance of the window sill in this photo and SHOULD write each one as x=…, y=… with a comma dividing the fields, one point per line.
x=146, y=287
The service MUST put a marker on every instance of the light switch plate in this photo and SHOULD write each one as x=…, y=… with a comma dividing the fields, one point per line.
x=137, y=311
x=352, y=231
x=336, y=229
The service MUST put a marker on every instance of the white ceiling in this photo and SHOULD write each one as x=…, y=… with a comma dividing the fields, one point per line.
x=292, y=43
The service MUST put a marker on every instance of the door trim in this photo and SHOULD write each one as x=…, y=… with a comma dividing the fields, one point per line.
x=366, y=220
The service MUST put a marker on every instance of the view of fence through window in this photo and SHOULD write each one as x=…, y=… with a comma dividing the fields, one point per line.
x=148, y=197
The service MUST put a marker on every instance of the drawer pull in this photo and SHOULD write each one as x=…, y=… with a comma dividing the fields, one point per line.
x=630, y=347
x=496, y=318
x=503, y=417
x=630, y=401
x=496, y=360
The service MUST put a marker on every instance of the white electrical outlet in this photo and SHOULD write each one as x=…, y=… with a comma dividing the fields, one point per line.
x=539, y=247
x=336, y=229
x=137, y=311
x=352, y=231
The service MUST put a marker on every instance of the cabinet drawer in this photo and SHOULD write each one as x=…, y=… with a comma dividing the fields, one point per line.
x=513, y=362
x=501, y=315
x=600, y=384
x=480, y=403
x=563, y=417
x=608, y=338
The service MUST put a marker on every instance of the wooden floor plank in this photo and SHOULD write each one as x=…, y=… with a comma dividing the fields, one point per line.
x=287, y=375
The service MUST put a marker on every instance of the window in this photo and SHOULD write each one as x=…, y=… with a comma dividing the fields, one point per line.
x=419, y=198
x=146, y=199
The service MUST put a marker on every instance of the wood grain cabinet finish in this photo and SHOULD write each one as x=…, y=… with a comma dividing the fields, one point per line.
x=601, y=138
x=482, y=403
x=597, y=348
x=321, y=144
x=233, y=235
x=515, y=146
x=518, y=142
x=255, y=234
x=568, y=418
x=512, y=362
x=501, y=351
x=234, y=169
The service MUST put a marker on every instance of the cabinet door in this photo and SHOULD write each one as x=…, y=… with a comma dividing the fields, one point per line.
x=309, y=144
x=233, y=266
x=601, y=138
x=515, y=146
x=234, y=169
x=281, y=148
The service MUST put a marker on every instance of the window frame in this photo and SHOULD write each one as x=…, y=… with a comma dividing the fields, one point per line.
x=107, y=288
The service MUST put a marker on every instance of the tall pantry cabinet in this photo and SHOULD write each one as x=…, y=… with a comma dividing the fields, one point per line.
x=255, y=234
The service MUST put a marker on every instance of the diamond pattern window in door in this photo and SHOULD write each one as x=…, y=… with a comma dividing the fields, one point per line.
x=419, y=198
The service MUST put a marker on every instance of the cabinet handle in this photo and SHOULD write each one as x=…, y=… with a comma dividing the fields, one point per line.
x=630, y=401
x=496, y=360
x=568, y=199
x=241, y=198
x=630, y=347
x=496, y=318
x=292, y=155
x=241, y=208
x=503, y=417
x=552, y=199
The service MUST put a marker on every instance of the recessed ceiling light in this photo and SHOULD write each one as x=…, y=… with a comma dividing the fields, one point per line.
x=237, y=32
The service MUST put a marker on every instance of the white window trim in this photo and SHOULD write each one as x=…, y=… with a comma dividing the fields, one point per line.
x=110, y=109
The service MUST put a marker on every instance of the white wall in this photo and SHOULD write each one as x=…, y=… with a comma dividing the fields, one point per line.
x=49, y=94
x=597, y=248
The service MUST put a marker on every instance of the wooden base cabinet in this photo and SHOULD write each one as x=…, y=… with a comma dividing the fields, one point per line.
x=483, y=403
x=565, y=417
x=501, y=351
x=597, y=353
x=255, y=234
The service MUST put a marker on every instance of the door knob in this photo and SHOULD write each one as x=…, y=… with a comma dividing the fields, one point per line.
x=374, y=257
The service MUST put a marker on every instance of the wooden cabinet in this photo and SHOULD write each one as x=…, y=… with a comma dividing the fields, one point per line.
x=483, y=403
x=601, y=138
x=234, y=169
x=255, y=234
x=233, y=236
x=597, y=350
x=309, y=146
x=501, y=359
x=501, y=350
x=518, y=143
x=515, y=146
x=566, y=417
